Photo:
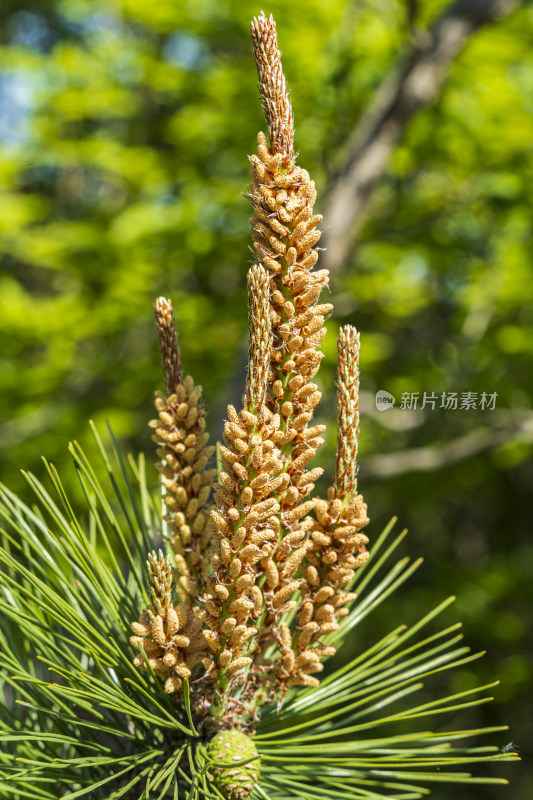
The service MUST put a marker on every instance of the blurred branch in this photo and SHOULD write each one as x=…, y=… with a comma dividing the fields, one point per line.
x=412, y=15
x=512, y=429
x=413, y=85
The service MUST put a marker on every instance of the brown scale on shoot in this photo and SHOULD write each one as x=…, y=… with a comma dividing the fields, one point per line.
x=184, y=457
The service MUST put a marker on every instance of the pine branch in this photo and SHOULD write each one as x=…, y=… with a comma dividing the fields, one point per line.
x=216, y=694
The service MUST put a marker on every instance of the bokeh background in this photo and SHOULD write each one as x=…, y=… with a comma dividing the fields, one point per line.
x=124, y=131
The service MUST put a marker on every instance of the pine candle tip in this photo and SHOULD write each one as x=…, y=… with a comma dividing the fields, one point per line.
x=163, y=306
x=160, y=571
x=348, y=345
x=272, y=87
x=168, y=344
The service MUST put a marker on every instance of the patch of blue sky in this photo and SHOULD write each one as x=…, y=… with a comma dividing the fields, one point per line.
x=17, y=91
x=186, y=50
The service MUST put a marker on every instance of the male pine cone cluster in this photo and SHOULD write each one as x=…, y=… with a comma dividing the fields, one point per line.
x=184, y=457
x=168, y=635
x=260, y=566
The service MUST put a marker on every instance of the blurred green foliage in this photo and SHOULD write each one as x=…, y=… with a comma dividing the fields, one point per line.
x=124, y=129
